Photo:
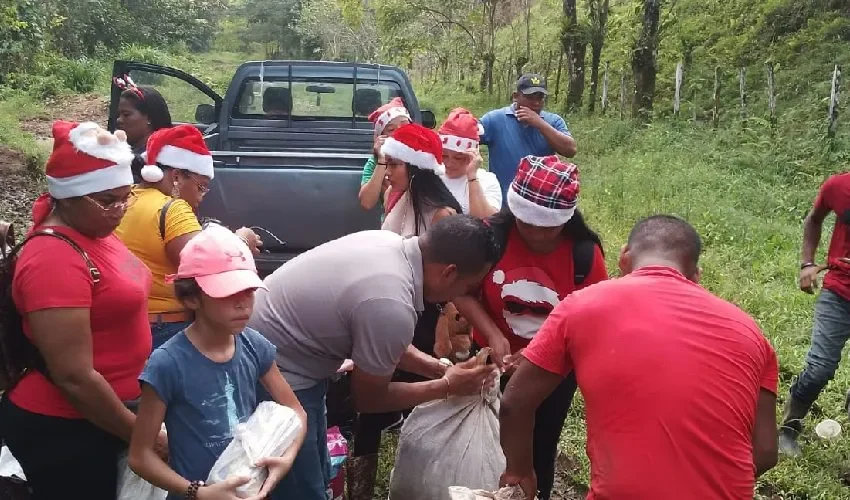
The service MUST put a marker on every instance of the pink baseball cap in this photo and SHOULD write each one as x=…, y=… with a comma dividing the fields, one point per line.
x=219, y=261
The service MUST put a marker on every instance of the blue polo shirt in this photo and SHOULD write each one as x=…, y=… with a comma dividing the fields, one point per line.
x=509, y=141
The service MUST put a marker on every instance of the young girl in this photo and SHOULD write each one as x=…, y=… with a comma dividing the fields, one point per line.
x=203, y=382
x=548, y=252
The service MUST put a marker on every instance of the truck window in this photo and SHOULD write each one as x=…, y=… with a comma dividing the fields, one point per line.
x=312, y=99
x=182, y=97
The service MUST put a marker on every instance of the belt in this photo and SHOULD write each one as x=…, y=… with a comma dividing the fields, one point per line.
x=170, y=317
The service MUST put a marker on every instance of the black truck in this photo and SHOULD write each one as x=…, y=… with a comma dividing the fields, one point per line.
x=289, y=140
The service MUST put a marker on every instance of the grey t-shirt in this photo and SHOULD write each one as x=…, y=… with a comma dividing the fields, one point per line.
x=356, y=297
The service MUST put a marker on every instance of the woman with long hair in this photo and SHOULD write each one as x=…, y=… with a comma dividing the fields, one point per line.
x=414, y=156
x=548, y=252
x=158, y=226
x=141, y=112
x=76, y=336
x=373, y=182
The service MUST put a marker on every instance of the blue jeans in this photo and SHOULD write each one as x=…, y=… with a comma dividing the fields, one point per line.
x=162, y=332
x=311, y=473
x=830, y=332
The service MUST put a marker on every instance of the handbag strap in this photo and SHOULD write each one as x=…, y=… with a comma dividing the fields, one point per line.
x=94, y=272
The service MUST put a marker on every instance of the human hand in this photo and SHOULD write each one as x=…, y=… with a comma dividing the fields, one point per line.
x=475, y=162
x=278, y=468
x=376, y=148
x=469, y=377
x=527, y=116
x=225, y=490
x=251, y=239
x=160, y=447
x=527, y=481
x=500, y=351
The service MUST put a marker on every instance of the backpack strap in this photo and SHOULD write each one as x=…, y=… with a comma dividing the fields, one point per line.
x=583, y=254
x=94, y=272
x=162, y=214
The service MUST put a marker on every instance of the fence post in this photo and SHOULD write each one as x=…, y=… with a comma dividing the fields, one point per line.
x=834, y=97
x=715, y=114
x=605, y=89
x=677, y=97
x=622, y=94
x=742, y=83
x=771, y=93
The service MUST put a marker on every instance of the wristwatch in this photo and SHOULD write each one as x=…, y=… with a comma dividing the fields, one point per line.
x=805, y=265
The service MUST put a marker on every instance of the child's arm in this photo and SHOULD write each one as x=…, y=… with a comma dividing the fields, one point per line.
x=280, y=391
x=145, y=462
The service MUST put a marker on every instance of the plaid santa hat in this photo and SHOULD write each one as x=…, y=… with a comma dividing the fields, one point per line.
x=460, y=132
x=544, y=191
x=382, y=116
x=87, y=159
x=416, y=145
x=181, y=147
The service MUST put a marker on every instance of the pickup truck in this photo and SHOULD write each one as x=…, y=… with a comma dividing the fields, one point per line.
x=288, y=139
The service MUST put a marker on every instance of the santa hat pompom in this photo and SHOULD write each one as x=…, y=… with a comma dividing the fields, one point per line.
x=152, y=173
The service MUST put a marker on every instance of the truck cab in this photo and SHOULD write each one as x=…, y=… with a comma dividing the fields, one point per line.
x=289, y=140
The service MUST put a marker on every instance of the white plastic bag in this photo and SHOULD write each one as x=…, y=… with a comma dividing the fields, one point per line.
x=132, y=487
x=506, y=493
x=9, y=466
x=449, y=443
x=267, y=433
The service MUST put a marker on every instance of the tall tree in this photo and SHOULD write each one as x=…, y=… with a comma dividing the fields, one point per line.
x=574, y=43
x=598, y=13
x=645, y=60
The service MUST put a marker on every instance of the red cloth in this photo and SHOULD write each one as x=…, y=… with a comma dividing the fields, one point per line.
x=834, y=195
x=670, y=376
x=524, y=287
x=51, y=274
x=392, y=199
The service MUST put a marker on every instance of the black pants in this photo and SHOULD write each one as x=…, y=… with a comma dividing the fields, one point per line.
x=548, y=424
x=369, y=426
x=61, y=458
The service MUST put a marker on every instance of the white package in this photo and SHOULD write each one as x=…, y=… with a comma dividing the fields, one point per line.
x=506, y=493
x=9, y=466
x=268, y=433
x=132, y=487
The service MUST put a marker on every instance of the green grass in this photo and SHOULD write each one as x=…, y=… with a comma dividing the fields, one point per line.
x=14, y=108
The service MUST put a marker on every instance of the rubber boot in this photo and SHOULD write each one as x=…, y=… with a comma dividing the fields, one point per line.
x=360, y=477
x=792, y=425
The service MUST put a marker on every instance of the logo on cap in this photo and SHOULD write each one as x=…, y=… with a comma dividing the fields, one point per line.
x=535, y=80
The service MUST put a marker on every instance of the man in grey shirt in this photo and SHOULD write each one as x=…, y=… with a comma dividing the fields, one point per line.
x=358, y=298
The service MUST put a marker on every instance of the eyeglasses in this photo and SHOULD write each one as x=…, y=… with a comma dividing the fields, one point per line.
x=202, y=189
x=115, y=206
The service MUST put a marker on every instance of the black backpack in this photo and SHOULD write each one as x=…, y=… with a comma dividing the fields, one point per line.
x=583, y=251
x=17, y=353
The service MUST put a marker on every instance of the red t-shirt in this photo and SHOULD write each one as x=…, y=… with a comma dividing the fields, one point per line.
x=670, y=376
x=834, y=196
x=51, y=274
x=523, y=287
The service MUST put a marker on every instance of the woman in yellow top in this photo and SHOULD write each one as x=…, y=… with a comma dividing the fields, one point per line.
x=157, y=226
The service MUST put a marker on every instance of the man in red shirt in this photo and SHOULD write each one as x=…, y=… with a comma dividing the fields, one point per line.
x=679, y=385
x=831, y=327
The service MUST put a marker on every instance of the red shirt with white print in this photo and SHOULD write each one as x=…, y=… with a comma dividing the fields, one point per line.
x=524, y=287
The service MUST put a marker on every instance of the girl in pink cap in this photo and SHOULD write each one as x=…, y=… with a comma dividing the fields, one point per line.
x=203, y=382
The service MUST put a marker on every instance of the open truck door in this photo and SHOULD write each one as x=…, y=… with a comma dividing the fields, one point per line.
x=189, y=99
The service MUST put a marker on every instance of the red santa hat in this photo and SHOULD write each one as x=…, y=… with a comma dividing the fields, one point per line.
x=87, y=159
x=460, y=131
x=181, y=147
x=544, y=191
x=382, y=116
x=416, y=145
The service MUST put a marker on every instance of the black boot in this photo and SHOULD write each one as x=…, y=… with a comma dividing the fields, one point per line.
x=792, y=425
x=360, y=477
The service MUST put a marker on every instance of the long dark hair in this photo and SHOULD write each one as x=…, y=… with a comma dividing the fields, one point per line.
x=151, y=104
x=427, y=191
x=576, y=229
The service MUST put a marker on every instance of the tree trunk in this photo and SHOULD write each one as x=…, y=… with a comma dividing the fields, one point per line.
x=644, y=61
x=596, y=56
x=576, y=48
x=599, y=23
x=558, y=75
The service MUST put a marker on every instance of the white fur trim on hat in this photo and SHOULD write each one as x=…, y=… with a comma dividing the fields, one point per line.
x=422, y=159
x=451, y=142
x=90, y=143
x=152, y=173
x=389, y=115
x=91, y=182
x=183, y=159
x=535, y=215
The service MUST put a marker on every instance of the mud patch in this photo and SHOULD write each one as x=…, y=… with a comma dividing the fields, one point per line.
x=78, y=108
x=18, y=189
